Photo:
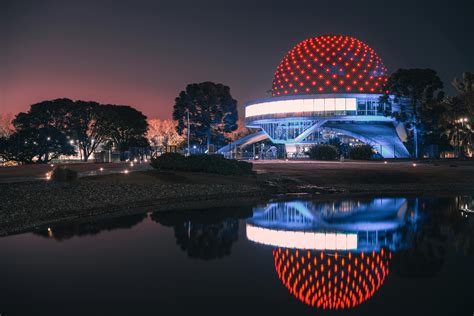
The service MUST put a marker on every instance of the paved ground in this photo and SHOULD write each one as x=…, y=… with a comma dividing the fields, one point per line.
x=393, y=176
x=350, y=176
x=38, y=172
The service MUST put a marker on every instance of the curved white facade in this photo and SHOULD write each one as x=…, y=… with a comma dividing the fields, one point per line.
x=309, y=105
x=298, y=121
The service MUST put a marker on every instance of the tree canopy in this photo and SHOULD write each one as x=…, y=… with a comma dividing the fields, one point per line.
x=50, y=129
x=126, y=126
x=212, y=112
x=421, y=87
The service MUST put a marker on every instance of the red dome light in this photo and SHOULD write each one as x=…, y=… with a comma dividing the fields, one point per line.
x=331, y=281
x=348, y=56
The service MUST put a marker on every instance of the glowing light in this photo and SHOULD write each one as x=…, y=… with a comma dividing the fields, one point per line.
x=414, y=164
x=338, y=60
x=301, y=105
x=125, y=171
x=385, y=162
x=333, y=284
x=101, y=169
x=301, y=239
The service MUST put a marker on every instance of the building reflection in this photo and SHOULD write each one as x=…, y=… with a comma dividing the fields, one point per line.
x=333, y=255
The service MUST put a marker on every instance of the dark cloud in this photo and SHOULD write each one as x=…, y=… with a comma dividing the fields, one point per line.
x=143, y=53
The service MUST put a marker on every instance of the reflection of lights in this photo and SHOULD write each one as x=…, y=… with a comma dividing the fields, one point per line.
x=131, y=164
x=331, y=281
x=50, y=232
x=125, y=171
x=302, y=239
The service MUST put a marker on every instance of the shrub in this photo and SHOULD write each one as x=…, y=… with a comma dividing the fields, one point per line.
x=63, y=174
x=168, y=161
x=361, y=152
x=202, y=163
x=323, y=152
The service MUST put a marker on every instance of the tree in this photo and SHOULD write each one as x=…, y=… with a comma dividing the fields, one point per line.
x=6, y=126
x=85, y=122
x=126, y=125
x=163, y=133
x=420, y=86
x=458, y=114
x=28, y=144
x=88, y=124
x=212, y=112
x=39, y=134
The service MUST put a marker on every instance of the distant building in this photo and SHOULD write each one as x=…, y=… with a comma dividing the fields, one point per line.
x=326, y=86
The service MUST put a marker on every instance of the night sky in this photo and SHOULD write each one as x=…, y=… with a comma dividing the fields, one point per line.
x=143, y=53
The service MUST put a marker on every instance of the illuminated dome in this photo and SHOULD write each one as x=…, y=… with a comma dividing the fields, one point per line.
x=331, y=281
x=329, y=64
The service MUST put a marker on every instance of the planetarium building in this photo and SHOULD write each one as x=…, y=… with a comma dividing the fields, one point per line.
x=325, y=87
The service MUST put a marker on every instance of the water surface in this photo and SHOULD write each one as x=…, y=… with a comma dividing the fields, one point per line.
x=365, y=256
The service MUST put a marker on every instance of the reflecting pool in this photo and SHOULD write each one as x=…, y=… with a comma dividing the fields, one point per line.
x=364, y=256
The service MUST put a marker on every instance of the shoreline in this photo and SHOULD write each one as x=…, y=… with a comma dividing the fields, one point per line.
x=28, y=205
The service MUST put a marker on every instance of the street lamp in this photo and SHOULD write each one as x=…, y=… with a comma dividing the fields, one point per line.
x=189, y=131
x=461, y=120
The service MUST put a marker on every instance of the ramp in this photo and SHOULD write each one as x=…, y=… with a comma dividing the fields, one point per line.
x=244, y=141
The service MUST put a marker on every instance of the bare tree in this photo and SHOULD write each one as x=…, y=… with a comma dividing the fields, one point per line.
x=163, y=133
x=6, y=126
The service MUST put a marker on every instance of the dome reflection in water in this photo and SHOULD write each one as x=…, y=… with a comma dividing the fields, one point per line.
x=332, y=255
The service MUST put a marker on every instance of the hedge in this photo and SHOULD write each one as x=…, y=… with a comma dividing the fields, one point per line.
x=323, y=152
x=202, y=163
x=361, y=152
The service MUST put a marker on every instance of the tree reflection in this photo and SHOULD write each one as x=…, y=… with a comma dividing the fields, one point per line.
x=90, y=228
x=206, y=234
x=442, y=226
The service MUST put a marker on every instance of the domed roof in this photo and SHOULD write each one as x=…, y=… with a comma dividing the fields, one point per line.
x=331, y=281
x=329, y=64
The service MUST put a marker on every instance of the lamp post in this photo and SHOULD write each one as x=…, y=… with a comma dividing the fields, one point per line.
x=189, y=132
x=461, y=120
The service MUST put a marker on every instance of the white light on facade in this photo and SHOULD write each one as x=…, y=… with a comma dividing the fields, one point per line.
x=302, y=239
x=301, y=105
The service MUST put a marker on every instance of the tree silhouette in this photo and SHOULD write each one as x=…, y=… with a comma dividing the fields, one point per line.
x=91, y=228
x=26, y=144
x=126, y=126
x=204, y=234
x=420, y=86
x=212, y=112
